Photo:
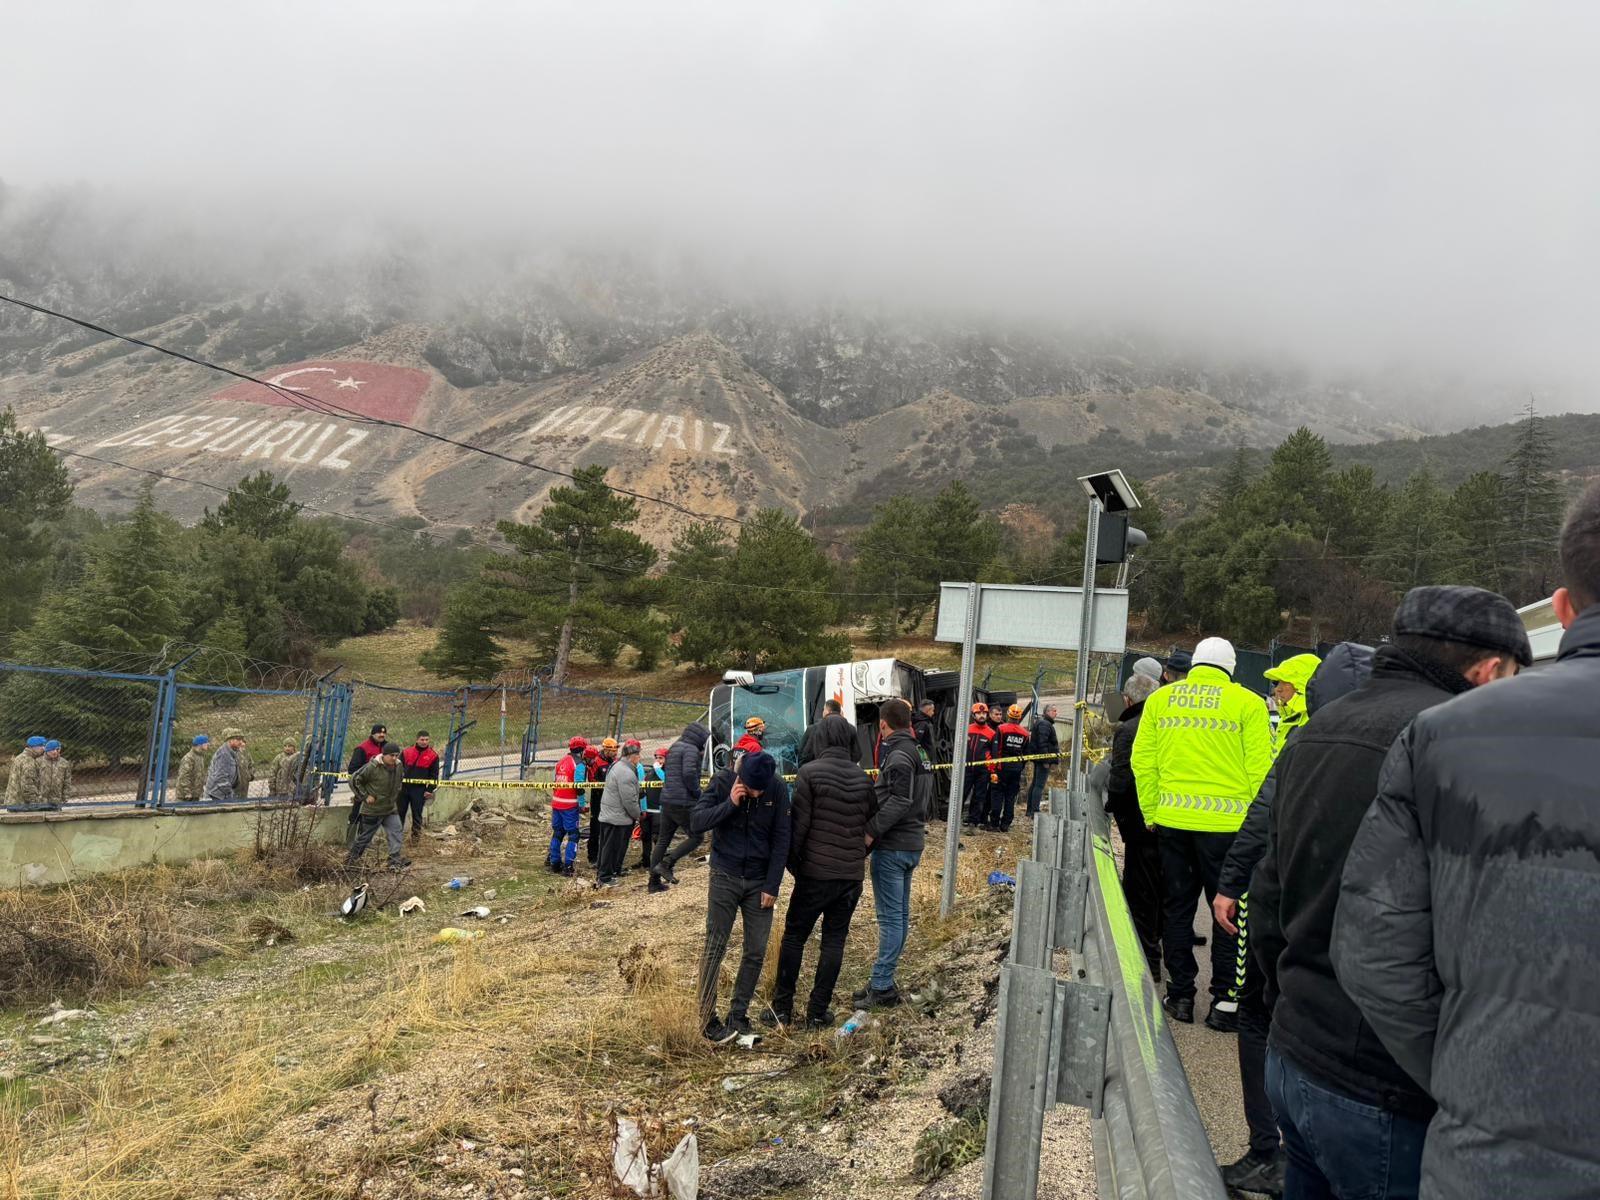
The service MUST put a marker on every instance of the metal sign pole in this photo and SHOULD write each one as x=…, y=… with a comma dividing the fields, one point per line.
x=958, y=767
x=1080, y=687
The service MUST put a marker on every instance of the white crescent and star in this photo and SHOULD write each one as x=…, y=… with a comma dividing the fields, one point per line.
x=348, y=383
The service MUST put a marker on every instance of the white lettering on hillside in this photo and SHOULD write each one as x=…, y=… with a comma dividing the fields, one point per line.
x=291, y=440
x=658, y=430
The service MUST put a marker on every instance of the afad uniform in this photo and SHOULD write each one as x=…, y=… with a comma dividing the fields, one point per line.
x=1011, y=741
x=564, y=808
x=980, y=765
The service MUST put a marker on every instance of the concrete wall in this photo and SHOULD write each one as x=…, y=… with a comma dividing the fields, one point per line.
x=45, y=848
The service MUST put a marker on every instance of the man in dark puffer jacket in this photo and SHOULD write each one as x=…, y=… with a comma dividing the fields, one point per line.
x=832, y=803
x=1352, y=1119
x=680, y=792
x=1468, y=931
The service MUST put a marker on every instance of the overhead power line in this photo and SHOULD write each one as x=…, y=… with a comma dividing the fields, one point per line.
x=331, y=408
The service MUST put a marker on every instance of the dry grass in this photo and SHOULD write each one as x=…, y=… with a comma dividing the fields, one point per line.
x=382, y=1059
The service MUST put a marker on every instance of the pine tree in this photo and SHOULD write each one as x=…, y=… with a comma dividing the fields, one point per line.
x=895, y=559
x=34, y=491
x=1420, y=544
x=1533, y=498
x=465, y=647
x=123, y=613
x=1478, y=515
x=771, y=605
x=1234, y=482
x=258, y=506
x=575, y=578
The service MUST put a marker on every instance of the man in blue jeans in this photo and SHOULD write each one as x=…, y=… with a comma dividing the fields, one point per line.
x=895, y=837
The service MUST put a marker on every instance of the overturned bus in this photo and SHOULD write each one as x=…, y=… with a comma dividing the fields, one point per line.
x=790, y=702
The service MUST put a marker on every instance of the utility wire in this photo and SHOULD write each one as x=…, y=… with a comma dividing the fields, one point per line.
x=331, y=408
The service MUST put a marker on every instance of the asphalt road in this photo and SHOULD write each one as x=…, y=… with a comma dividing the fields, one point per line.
x=1211, y=1060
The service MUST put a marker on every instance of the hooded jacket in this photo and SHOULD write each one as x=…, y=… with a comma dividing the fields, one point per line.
x=1468, y=931
x=377, y=788
x=681, y=787
x=832, y=803
x=1346, y=668
x=1298, y=671
x=1202, y=750
x=1327, y=776
x=749, y=840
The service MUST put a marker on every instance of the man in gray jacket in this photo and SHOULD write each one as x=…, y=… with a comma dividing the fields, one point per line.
x=228, y=777
x=1468, y=926
x=619, y=813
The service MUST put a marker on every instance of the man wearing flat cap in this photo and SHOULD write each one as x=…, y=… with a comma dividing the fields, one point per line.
x=1468, y=932
x=1353, y=1119
x=228, y=777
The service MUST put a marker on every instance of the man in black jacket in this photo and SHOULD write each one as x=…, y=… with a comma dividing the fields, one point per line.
x=1141, y=863
x=809, y=749
x=896, y=836
x=1261, y=1168
x=1468, y=931
x=832, y=803
x=680, y=792
x=1045, y=740
x=748, y=815
x=1352, y=1119
x=923, y=729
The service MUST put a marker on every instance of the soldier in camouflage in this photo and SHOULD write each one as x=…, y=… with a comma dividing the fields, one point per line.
x=192, y=770
x=285, y=769
x=55, y=776
x=25, y=783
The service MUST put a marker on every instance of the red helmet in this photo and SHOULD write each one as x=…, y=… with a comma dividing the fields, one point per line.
x=661, y=751
x=631, y=746
x=577, y=743
x=591, y=753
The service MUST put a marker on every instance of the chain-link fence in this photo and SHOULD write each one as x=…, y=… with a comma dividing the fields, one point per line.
x=100, y=726
x=272, y=721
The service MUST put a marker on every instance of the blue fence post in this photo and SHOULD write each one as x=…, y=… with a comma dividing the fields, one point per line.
x=338, y=705
x=530, y=739
x=458, y=731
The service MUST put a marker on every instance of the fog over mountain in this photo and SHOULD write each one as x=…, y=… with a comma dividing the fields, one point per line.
x=1192, y=223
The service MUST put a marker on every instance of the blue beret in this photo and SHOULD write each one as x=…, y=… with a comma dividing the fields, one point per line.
x=35, y=743
x=200, y=739
x=52, y=744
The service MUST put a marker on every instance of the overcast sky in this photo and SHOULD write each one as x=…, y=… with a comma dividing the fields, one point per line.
x=1349, y=180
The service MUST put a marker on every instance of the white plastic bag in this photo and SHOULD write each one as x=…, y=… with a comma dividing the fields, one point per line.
x=629, y=1159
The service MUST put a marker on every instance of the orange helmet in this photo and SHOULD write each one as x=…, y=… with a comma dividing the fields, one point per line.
x=754, y=725
x=980, y=709
x=1015, y=712
x=609, y=744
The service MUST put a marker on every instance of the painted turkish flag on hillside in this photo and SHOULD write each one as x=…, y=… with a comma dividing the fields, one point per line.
x=339, y=388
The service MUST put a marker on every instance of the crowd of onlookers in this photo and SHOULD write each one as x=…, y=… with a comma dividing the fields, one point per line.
x=1404, y=887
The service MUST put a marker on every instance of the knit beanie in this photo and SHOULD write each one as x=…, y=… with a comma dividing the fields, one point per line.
x=756, y=771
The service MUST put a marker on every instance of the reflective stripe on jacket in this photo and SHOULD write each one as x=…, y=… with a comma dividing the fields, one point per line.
x=1203, y=747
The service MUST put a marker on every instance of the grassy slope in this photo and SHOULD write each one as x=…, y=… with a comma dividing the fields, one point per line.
x=362, y=1052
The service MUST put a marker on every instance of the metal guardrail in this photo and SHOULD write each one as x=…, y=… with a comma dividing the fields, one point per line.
x=1097, y=1039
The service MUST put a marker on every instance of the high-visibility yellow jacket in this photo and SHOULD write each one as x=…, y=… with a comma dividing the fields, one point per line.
x=1298, y=671
x=1204, y=745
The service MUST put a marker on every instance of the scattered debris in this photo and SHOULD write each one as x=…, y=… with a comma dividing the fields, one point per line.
x=267, y=932
x=600, y=904
x=967, y=1096
x=355, y=902
x=412, y=905
x=59, y=1015
x=490, y=893
x=449, y=831
x=629, y=1159
x=860, y=1019
x=681, y=1171
x=460, y=881
x=1001, y=879
x=480, y=913
x=451, y=934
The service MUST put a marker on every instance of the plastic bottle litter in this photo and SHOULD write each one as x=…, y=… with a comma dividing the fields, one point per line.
x=452, y=934
x=459, y=882
x=859, y=1020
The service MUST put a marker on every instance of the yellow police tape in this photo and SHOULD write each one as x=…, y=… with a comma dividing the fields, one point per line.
x=544, y=786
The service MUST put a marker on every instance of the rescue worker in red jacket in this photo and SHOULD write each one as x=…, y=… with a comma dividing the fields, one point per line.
x=1011, y=742
x=595, y=773
x=755, y=733
x=564, y=802
x=980, y=765
x=417, y=761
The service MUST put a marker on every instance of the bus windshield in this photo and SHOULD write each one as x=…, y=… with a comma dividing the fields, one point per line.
x=779, y=700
